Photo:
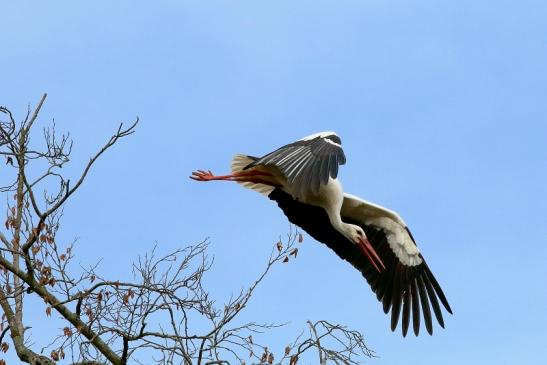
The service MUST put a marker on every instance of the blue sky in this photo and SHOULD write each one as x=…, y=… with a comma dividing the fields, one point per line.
x=440, y=106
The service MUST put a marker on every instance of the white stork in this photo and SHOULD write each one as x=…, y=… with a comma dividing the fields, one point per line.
x=302, y=178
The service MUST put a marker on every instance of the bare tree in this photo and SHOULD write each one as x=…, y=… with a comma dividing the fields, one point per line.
x=163, y=315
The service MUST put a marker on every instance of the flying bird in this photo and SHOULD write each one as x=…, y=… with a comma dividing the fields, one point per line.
x=301, y=177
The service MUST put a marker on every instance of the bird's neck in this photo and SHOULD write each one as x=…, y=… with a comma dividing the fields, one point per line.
x=336, y=222
x=331, y=199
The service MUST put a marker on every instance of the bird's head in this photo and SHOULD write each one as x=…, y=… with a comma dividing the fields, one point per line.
x=355, y=233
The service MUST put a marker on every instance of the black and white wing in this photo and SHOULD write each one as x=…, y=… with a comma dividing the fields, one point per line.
x=406, y=285
x=307, y=163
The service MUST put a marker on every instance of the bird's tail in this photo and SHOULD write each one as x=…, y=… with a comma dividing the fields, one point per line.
x=239, y=163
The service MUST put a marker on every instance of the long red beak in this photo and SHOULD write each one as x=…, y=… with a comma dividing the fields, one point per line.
x=371, y=254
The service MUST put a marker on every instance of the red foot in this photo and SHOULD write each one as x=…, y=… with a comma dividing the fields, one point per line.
x=201, y=175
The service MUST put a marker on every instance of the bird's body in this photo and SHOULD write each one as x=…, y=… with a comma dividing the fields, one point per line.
x=302, y=178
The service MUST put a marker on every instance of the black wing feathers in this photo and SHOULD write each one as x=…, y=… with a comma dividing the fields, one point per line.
x=415, y=305
x=307, y=164
x=400, y=288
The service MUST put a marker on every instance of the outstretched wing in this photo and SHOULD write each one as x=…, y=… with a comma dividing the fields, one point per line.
x=406, y=285
x=307, y=163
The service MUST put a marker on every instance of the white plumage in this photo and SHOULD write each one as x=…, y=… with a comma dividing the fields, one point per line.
x=398, y=237
x=302, y=178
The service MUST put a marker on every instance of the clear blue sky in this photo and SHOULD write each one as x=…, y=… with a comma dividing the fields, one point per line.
x=441, y=107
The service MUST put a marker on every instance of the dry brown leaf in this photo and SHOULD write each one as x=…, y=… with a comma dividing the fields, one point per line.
x=54, y=355
x=89, y=313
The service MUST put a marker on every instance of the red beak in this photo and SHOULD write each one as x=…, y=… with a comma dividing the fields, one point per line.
x=371, y=254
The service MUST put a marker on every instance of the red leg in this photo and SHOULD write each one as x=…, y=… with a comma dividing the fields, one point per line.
x=201, y=175
x=258, y=181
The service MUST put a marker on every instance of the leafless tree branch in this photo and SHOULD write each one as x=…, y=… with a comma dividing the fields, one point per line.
x=164, y=309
